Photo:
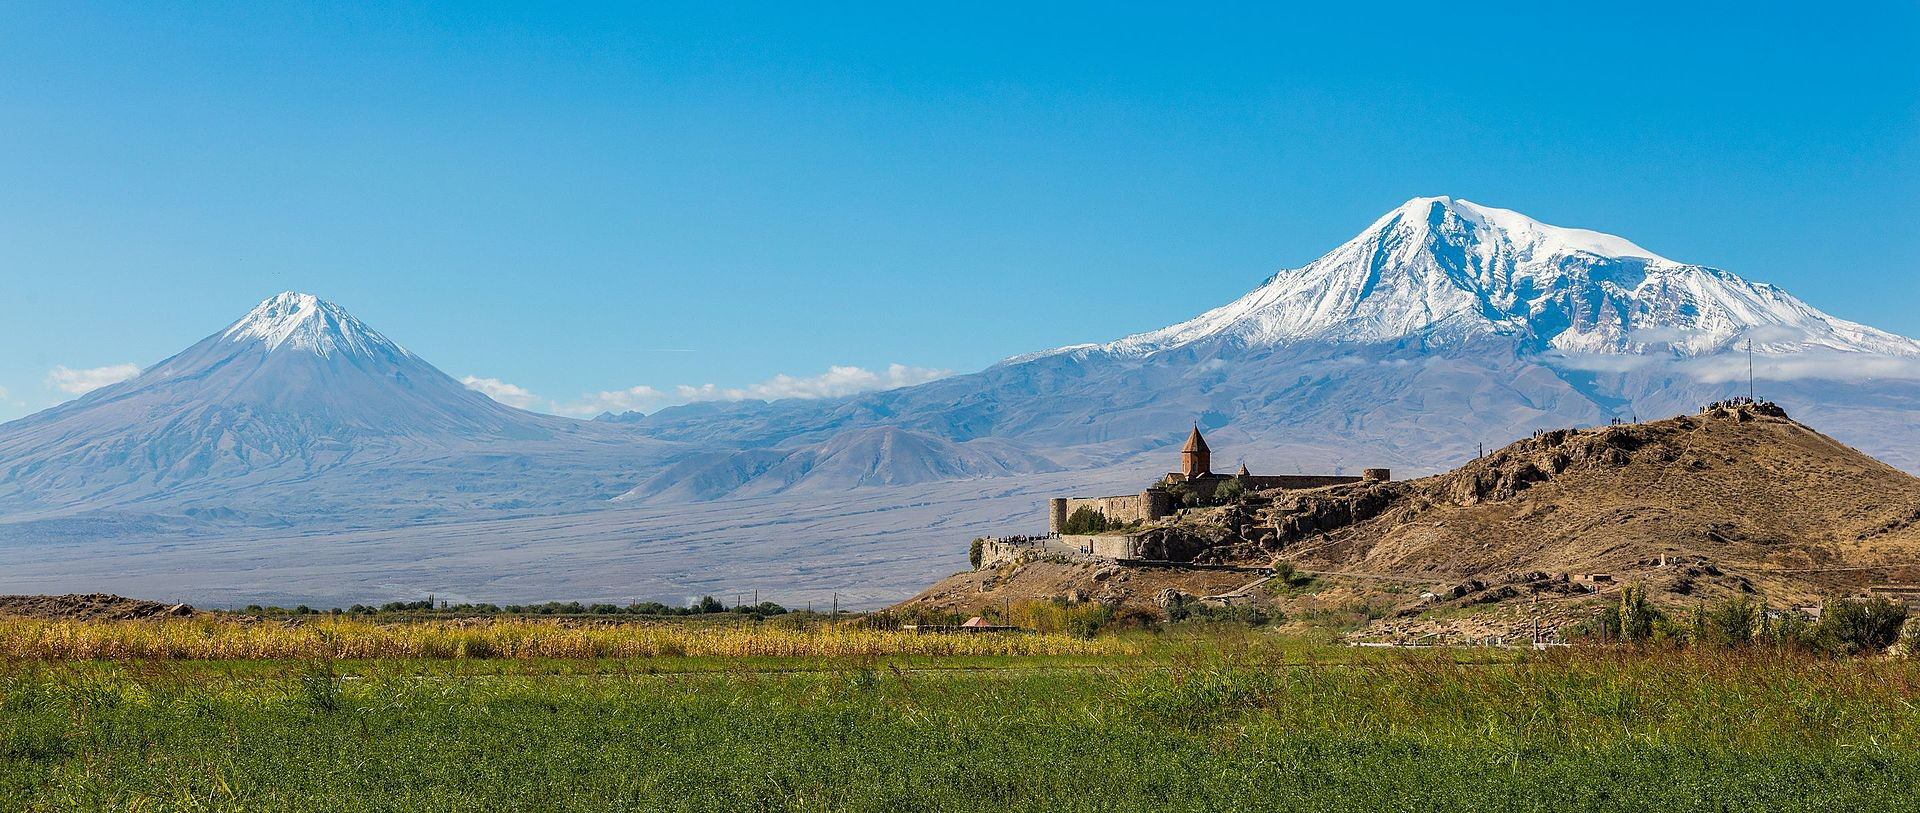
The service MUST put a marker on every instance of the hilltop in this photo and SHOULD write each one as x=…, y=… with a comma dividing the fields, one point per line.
x=1736, y=500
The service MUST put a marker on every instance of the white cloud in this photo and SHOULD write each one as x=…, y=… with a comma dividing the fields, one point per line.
x=510, y=394
x=81, y=382
x=1819, y=364
x=3, y=392
x=1660, y=334
x=632, y=399
x=837, y=381
x=1719, y=368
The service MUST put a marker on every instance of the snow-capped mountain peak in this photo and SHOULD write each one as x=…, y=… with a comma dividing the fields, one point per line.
x=1442, y=271
x=305, y=322
x=1498, y=228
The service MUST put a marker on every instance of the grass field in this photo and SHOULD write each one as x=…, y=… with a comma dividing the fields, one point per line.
x=1205, y=719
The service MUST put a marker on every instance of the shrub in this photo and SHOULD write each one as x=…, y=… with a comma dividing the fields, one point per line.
x=1730, y=623
x=1085, y=520
x=1632, y=620
x=1789, y=631
x=1850, y=627
x=1231, y=491
x=1637, y=617
x=977, y=552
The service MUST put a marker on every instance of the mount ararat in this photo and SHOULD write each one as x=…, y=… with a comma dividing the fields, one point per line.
x=299, y=453
x=1443, y=325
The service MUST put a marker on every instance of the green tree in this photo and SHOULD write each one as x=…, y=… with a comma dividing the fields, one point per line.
x=976, y=552
x=1231, y=491
x=1731, y=623
x=1637, y=617
x=1085, y=520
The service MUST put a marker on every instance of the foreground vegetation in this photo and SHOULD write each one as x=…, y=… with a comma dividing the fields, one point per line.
x=1846, y=626
x=225, y=638
x=1175, y=729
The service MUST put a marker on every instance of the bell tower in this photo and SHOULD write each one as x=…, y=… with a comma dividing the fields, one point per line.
x=1195, y=458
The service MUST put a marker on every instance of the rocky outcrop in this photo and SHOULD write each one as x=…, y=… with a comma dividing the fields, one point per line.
x=90, y=606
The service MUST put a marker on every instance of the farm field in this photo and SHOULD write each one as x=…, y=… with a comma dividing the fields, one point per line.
x=1198, y=717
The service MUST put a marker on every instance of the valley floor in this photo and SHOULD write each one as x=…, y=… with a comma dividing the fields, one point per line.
x=869, y=547
x=1197, y=718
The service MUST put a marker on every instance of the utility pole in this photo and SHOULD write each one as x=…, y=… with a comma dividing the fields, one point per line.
x=1749, y=368
x=836, y=605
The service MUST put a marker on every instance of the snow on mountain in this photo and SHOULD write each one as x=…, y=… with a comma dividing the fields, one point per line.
x=305, y=322
x=1443, y=324
x=298, y=406
x=1442, y=271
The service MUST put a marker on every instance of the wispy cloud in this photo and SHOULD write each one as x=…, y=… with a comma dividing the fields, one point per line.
x=1825, y=365
x=838, y=381
x=632, y=399
x=83, y=381
x=510, y=394
x=1812, y=363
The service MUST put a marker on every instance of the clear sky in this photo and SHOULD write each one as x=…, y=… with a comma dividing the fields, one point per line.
x=592, y=199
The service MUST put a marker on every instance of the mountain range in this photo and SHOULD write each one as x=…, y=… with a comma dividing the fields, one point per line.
x=1443, y=326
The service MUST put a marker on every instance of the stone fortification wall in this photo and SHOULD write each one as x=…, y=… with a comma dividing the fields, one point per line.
x=1076, y=547
x=1146, y=506
x=1260, y=482
x=1106, y=546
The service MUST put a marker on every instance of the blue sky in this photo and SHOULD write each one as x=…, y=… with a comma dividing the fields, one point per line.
x=599, y=199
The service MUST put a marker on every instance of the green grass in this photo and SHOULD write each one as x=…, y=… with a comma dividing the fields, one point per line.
x=1213, y=720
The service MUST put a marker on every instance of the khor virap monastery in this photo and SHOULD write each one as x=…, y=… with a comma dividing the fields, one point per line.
x=1195, y=477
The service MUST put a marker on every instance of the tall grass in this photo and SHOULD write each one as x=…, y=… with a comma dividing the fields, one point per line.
x=1670, y=697
x=222, y=639
x=1625, y=730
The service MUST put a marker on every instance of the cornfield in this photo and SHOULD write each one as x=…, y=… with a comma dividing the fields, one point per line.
x=226, y=639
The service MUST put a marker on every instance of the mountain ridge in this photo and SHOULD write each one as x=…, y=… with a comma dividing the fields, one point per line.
x=1443, y=270
x=1465, y=311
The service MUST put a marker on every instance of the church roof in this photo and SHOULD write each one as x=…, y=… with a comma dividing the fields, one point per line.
x=1195, y=443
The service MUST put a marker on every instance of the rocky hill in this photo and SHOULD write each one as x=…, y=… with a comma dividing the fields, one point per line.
x=1738, y=499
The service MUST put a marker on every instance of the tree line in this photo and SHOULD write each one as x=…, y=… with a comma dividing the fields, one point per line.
x=1846, y=626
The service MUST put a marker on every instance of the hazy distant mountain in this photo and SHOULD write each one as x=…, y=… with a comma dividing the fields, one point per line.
x=880, y=456
x=299, y=410
x=1442, y=325
x=299, y=454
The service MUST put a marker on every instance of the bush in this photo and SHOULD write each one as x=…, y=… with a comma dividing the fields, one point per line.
x=1849, y=627
x=1085, y=521
x=977, y=552
x=1637, y=617
x=1632, y=620
x=1730, y=623
x=1231, y=491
